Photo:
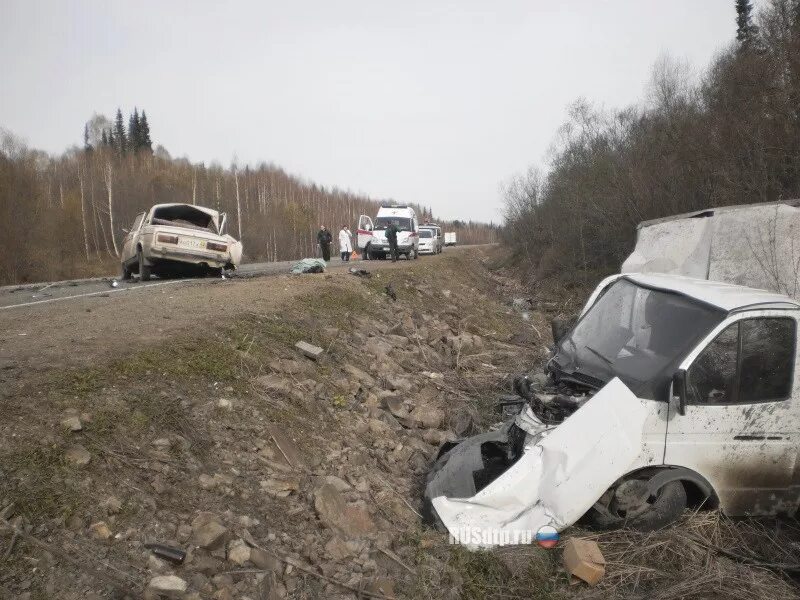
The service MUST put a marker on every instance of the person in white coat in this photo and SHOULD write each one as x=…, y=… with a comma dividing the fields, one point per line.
x=345, y=243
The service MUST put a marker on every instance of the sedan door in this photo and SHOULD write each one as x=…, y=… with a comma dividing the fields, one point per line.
x=129, y=243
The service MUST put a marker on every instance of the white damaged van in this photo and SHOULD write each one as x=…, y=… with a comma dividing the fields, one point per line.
x=669, y=391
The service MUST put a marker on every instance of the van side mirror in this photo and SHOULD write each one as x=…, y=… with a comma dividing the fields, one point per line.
x=679, y=390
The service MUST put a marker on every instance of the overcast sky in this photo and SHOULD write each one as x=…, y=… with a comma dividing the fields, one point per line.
x=418, y=100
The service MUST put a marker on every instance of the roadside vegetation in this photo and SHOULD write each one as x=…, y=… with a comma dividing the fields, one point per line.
x=729, y=136
x=62, y=216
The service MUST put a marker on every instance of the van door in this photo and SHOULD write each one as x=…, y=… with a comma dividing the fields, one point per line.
x=364, y=231
x=740, y=430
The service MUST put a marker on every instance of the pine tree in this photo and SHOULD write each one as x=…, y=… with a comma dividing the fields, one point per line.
x=144, y=133
x=104, y=139
x=111, y=140
x=119, y=133
x=134, y=137
x=746, y=31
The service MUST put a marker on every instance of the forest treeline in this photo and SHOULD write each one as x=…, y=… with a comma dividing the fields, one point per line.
x=731, y=136
x=62, y=216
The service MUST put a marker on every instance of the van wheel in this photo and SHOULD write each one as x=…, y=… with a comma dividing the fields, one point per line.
x=416, y=254
x=144, y=270
x=630, y=505
x=126, y=273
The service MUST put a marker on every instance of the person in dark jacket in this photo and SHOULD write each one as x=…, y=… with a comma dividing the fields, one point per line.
x=391, y=237
x=324, y=239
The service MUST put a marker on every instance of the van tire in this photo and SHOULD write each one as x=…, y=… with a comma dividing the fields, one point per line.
x=126, y=273
x=144, y=269
x=666, y=508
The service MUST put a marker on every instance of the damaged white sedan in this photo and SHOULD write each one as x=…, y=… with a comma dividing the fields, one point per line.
x=668, y=392
x=179, y=239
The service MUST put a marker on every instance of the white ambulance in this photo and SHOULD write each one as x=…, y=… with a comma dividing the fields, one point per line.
x=371, y=236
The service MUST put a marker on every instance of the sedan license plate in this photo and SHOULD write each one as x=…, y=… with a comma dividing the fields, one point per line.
x=191, y=243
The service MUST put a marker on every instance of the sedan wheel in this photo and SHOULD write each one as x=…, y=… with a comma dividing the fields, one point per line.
x=144, y=269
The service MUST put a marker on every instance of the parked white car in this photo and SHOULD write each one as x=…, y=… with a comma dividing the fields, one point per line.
x=669, y=391
x=430, y=239
x=371, y=236
x=172, y=239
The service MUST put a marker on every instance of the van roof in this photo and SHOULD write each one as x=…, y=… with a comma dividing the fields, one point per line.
x=727, y=296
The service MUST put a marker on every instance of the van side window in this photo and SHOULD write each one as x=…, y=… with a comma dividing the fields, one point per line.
x=750, y=361
x=767, y=359
x=712, y=376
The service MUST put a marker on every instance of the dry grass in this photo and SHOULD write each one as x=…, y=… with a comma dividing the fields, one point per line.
x=705, y=555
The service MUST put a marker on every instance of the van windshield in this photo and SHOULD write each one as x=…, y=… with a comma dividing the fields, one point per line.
x=403, y=223
x=425, y=233
x=637, y=334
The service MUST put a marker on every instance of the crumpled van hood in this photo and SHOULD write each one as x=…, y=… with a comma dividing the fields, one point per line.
x=560, y=476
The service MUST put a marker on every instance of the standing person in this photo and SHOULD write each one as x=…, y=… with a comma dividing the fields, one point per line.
x=391, y=236
x=324, y=238
x=345, y=244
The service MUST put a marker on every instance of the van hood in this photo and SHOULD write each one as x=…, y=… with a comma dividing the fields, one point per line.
x=562, y=472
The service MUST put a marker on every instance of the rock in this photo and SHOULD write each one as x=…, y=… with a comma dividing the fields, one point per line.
x=155, y=564
x=207, y=530
x=100, y=530
x=238, y=552
x=170, y=586
x=78, y=455
x=396, y=406
x=380, y=586
x=463, y=424
x=72, y=423
x=337, y=549
x=264, y=560
x=340, y=484
x=351, y=520
x=378, y=348
x=183, y=533
x=359, y=375
x=207, y=565
x=158, y=485
x=206, y=482
x=309, y=350
x=286, y=448
x=280, y=488
x=426, y=416
x=399, y=383
x=274, y=383
x=436, y=437
x=224, y=404
x=162, y=443
x=379, y=428
x=112, y=504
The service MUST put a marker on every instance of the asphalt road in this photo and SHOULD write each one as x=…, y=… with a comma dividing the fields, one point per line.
x=49, y=292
